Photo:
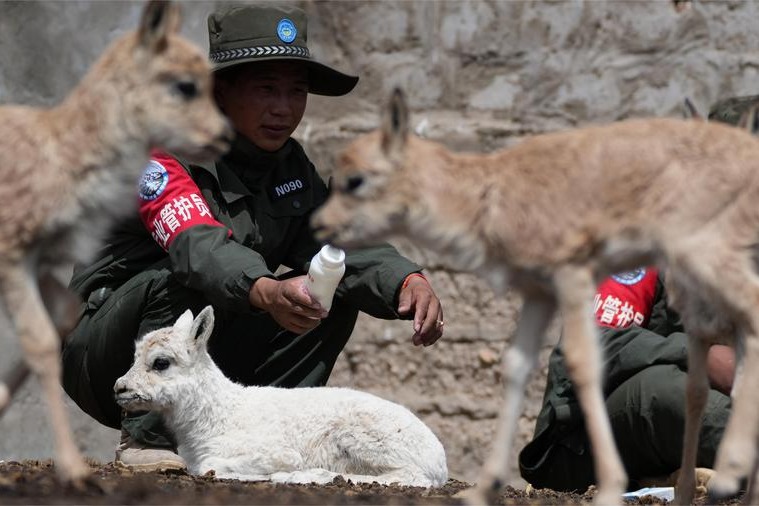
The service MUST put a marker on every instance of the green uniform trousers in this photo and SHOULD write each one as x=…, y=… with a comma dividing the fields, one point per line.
x=251, y=349
x=647, y=414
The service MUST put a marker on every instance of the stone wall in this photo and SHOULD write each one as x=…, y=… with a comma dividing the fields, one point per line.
x=479, y=75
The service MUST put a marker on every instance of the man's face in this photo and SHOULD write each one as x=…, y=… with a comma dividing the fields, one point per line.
x=265, y=101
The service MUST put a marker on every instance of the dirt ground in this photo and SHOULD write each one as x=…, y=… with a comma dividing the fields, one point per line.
x=34, y=482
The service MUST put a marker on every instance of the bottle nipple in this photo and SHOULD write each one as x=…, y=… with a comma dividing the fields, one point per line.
x=331, y=256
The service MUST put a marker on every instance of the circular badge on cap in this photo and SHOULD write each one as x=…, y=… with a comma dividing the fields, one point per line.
x=153, y=181
x=286, y=30
x=629, y=278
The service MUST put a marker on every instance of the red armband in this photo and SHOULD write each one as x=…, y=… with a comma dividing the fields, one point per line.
x=626, y=299
x=170, y=201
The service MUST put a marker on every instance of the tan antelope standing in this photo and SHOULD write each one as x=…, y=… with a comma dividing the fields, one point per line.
x=552, y=216
x=70, y=171
x=708, y=325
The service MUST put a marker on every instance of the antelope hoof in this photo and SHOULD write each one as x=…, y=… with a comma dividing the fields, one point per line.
x=722, y=488
x=481, y=494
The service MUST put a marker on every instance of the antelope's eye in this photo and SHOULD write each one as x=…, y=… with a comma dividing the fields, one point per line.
x=186, y=89
x=353, y=183
x=161, y=364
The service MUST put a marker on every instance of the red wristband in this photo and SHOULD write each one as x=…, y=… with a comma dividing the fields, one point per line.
x=408, y=278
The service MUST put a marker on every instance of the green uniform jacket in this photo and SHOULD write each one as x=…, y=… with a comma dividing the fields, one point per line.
x=627, y=351
x=265, y=201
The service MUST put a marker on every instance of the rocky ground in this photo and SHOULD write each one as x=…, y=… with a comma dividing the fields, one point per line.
x=34, y=482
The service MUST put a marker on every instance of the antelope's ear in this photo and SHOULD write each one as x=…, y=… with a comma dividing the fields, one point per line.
x=202, y=326
x=691, y=111
x=160, y=18
x=750, y=119
x=183, y=324
x=395, y=126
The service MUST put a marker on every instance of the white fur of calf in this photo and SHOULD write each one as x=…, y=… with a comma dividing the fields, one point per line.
x=298, y=435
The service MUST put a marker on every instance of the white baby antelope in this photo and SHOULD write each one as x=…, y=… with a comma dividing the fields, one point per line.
x=298, y=435
x=555, y=214
x=70, y=171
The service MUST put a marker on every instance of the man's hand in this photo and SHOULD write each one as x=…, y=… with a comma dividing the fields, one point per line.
x=418, y=298
x=720, y=368
x=288, y=302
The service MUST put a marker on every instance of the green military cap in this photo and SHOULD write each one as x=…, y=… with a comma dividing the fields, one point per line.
x=269, y=32
x=731, y=110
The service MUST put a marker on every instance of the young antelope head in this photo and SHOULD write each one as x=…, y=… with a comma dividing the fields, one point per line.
x=372, y=185
x=164, y=85
x=168, y=364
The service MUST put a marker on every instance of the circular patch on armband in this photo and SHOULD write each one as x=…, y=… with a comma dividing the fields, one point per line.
x=630, y=277
x=153, y=182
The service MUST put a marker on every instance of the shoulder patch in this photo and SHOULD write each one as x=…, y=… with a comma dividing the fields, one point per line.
x=630, y=277
x=153, y=181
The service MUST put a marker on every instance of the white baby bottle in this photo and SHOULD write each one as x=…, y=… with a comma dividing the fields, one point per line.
x=326, y=271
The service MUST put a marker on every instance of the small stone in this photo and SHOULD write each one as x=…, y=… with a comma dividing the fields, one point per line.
x=487, y=357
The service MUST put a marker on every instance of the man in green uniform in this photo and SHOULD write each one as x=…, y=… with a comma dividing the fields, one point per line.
x=216, y=234
x=644, y=384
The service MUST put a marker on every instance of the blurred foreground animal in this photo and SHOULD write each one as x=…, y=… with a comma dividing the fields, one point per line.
x=708, y=325
x=291, y=435
x=555, y=214
x=70, y=171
